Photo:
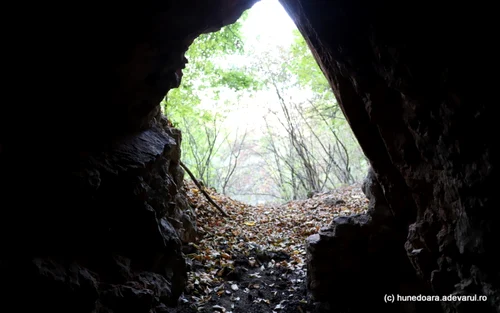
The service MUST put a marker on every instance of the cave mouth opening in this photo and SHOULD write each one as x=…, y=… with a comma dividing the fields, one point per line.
x=261, y=128
x=260, y=122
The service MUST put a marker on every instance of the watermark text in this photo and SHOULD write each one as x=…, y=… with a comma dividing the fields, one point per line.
x=391, y=298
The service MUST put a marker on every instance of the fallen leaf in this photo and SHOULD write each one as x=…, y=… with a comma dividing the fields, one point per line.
x=225, y=243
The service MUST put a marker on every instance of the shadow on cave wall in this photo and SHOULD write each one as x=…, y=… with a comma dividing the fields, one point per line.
x=86, y=159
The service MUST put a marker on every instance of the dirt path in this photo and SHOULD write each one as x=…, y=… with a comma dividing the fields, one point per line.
x=254, y=261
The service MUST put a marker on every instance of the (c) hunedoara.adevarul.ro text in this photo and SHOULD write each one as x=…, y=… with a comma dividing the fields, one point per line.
x=391, y=298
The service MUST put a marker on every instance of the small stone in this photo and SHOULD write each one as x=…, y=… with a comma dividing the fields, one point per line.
x=219, y=308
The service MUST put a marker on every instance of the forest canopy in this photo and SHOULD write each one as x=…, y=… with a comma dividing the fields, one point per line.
x=259, y=120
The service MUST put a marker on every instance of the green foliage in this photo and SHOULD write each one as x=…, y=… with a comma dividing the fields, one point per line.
x=207, y=75
x=238, y=80
x=305, y=66
x=207, y=56
x=304, y=143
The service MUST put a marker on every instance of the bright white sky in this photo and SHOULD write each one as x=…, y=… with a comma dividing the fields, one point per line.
x=268, y=23
x=267, y=26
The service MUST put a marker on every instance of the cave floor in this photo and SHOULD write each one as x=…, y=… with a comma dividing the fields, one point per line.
x=254, y=261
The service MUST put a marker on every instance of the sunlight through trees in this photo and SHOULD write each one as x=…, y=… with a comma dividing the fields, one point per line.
x=260, y=122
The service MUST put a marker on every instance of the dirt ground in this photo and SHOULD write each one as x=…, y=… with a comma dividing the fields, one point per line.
x=254, y=261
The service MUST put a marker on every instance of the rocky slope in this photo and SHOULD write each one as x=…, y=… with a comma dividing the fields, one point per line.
x=255, y=259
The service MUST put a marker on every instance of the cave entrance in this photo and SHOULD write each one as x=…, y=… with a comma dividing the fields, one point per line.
x=264, y=135
x=260, y=122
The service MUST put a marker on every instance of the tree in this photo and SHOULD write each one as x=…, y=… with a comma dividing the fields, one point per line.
x=201, y=124
x=207, y=74
x=230, y=160
x=309, y=155
x=303, y=145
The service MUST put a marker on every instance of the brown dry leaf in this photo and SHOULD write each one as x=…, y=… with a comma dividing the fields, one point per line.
x=274, y=229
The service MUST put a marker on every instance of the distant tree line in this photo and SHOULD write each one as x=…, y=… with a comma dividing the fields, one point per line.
x=304, y=144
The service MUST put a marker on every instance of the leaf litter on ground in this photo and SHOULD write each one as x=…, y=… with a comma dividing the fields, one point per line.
x=254, y=261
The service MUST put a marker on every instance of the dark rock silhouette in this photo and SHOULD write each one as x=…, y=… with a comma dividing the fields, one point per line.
x=92, y=216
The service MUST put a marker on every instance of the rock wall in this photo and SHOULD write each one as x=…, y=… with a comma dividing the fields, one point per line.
x=358, y=256
x=92, y=214
x=107, y=238
x=424, y=117
x=90, y=206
